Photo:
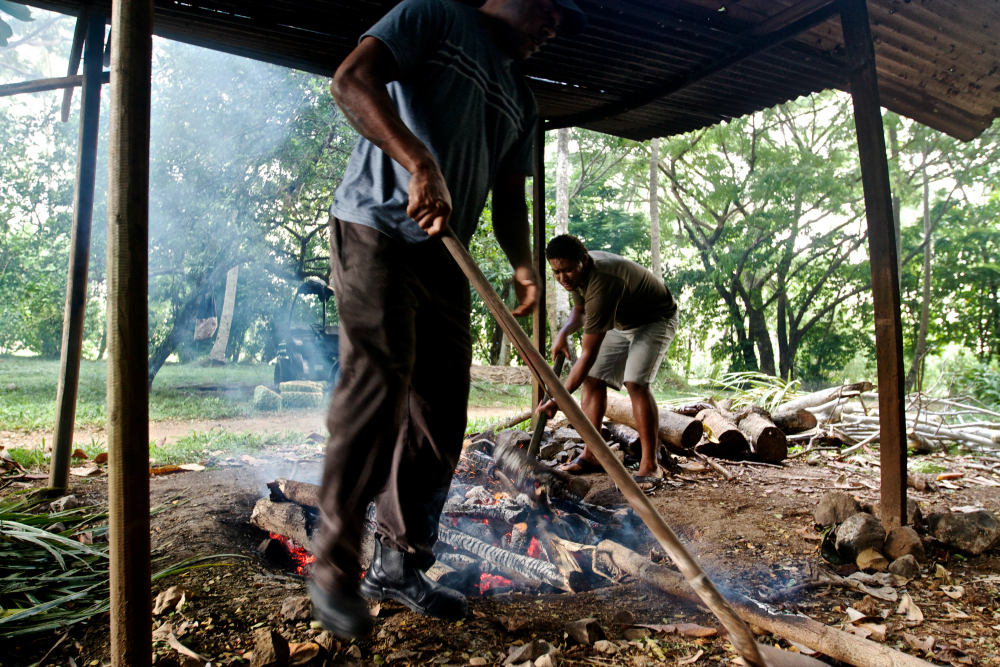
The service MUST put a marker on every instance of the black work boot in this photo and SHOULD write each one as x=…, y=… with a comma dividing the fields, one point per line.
x=344, y=614
x=392, y=575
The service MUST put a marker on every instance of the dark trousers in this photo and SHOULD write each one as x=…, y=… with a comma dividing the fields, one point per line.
x=398, y=416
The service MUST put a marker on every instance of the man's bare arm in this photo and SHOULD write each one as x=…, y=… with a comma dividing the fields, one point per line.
x=510, y=225
x=588, y=356
x=359, y=89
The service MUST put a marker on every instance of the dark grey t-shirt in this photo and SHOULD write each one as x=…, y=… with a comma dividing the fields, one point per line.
x=617, y=293
x=458, y=94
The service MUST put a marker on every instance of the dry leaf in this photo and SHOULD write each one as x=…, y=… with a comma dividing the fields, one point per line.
x=374, y=610
x=923, y=644
x=872, y=559
x=695, y=630
x=160, y=634
x=164, y=470
x=170, y=598
x=841, y=482
x=658, y=627
x=884, y=593
x=182, y=649
x=907, y=607
x=950, y=475
x=300, y=654
x=85, y=471
x=79, y=454
x=955, y=612
x=854, y=615
x=802, y=648
x=968, y=509
x=858, y=630
x=101, y=458
x=877, y=631
x=809, y=533
x=690, y=660
x=954, y=592
x=192, y=467
x=941, y=573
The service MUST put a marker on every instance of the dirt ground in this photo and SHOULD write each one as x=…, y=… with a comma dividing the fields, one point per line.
x=743, y=533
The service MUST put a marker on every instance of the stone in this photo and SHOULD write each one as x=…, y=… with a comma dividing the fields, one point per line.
x=513, y=437
x=914, y=517
x=566, y=434
x=329, y=643
x=905, y=566
x=63, y=504
x=549, y=450
x=269, y=649
x=902, y=541
x=266, y=400
x=637, y=633
x=547, y=660
x=972, y=533
x=297, y=608
x=623, y=617
x=354, y=651
x=478, y=661
x=604, y=646
x=530, y=652
x=859, y=532
x=585, y=631
x=835, y=507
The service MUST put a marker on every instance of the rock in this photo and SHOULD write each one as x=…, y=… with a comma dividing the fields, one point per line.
x=529, y=652
x=328, y=641
x=297, y=608
x=914, y=517
x=354, y=651
x=269, y=650
x=513, y=437
x=905, y=566
x=973, y=533
x=63, y=504
x=605, y=496
x=549, y=450
x=566, y=434
x=902, y=541
x=478, y=661
x=547, y=660
x=561, y=457
x=859, y=532
x=636, y=633
x=623, y=617
x=266, y=400
x=835, y=507
x=57, y=527
x=585, y=631
x=604, y=646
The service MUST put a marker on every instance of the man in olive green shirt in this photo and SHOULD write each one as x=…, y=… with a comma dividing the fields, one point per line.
x=629, y=319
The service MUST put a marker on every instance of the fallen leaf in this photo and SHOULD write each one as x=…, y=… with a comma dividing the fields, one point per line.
x=950, y=475
x=79, y=454
x=162, y=441
x=101, y=458
x=841, y=482
x=872, y=559
x=877, y=631
x=909, y=609
x=953, y=655
x=968, y=509
x=170, y=598
x=192, y=467
x=160, y=633
x=854, y=615
x=659, y=627
x=690, y=660
x=941, y=573
x=85, y=471
x=300, y=654
x=884, y=593
x=858, y=630
x=374, y=610
x=802, y=648
x=955, y=612
x=923, y=644
x=954, y=592
x=164, y=470
x=182, y=649
x=695, y=630
x=809, y=533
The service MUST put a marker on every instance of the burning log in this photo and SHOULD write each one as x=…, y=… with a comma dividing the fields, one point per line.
x=766, y=440
x=732, y=443
x=490, y=512
x=285, y=519
x=831, y=642
x=301, y=493
x=528, y=568
x=677, y=431
x=527, y=475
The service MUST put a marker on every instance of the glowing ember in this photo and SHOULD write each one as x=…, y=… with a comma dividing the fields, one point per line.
x=488, y=581
x=535, y=549
x=303, y=559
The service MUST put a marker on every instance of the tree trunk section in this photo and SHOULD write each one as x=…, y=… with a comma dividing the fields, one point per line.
x=767, y=441
x=794, y=421
x=285, y=519
x=920, y=349
x=732, y=443
x=675, y=430
x=559, y=301
x=654, y=207
x=218, y=353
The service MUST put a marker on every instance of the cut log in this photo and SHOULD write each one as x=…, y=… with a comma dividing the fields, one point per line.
x=676, y=431
x=626, y=436
x=527, y=568
x=829, y=641
x=283, y=490
x=767, y=441
x=818, y=398
x=732, y=442
x=285, y=519
x=794, y=421
x=491, y=512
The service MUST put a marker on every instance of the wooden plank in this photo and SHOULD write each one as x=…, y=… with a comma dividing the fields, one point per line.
x=75, y=53
x=127, y=321
x=42, y=85
x=79, y=256
x=882, y=249
x=538, y=254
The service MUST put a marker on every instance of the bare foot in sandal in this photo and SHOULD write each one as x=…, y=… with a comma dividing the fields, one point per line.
x=581, y=466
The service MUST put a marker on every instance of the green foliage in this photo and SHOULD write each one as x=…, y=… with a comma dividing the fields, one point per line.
x=983, y=382
x=760, y=389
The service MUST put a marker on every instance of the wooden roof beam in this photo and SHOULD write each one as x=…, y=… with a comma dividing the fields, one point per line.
x=791, y=22
x=41, y=85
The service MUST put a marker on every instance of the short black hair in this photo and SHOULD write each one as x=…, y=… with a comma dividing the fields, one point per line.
x=566, y=246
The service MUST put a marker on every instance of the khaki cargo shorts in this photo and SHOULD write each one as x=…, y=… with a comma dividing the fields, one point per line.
x=634, y=355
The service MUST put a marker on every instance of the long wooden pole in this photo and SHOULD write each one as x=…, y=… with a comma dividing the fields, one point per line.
x=538, y=253
x=882, y=251
x=128, y=398
x=740, y=635
x=42, y=85
x=79, y=255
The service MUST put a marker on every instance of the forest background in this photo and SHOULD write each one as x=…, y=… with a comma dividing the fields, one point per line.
x=757, y=224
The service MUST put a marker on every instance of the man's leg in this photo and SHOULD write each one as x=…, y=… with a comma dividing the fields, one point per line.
x=429, y=442
x=377, y=334
x=647, y=421
x=594, y=401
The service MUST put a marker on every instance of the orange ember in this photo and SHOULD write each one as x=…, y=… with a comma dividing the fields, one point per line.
x=488, y=581
x=303, y=559
x=535, y=549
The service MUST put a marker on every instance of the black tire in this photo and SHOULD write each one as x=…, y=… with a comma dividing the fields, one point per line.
x=279, y=375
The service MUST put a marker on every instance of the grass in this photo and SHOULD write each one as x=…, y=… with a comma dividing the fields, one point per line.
x=30, y=405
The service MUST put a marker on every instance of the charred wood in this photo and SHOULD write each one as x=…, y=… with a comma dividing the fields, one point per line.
x=298, y=492
x=531, y=569
x=491, y=512
x=285, y=519
x=624, y=435
x=533, y=478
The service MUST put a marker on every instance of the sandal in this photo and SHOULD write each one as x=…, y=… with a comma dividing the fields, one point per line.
x=647, y=483
x=582, y=466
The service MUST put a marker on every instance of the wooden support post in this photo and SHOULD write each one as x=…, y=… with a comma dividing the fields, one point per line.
x=79, y=256
x=128, y=397
x=882, y=250
x=538, y=244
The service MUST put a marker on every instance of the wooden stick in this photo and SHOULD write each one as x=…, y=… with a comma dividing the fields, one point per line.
x=75, y=53
x=528, y=567
x=541, y=420
x=42, y=85
x=740, y=635
x=513, y=420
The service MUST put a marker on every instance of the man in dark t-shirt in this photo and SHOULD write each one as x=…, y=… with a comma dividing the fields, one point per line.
x=629, y=319
x=445, y=116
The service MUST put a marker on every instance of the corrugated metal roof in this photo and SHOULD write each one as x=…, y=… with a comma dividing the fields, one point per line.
x=938, y=60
